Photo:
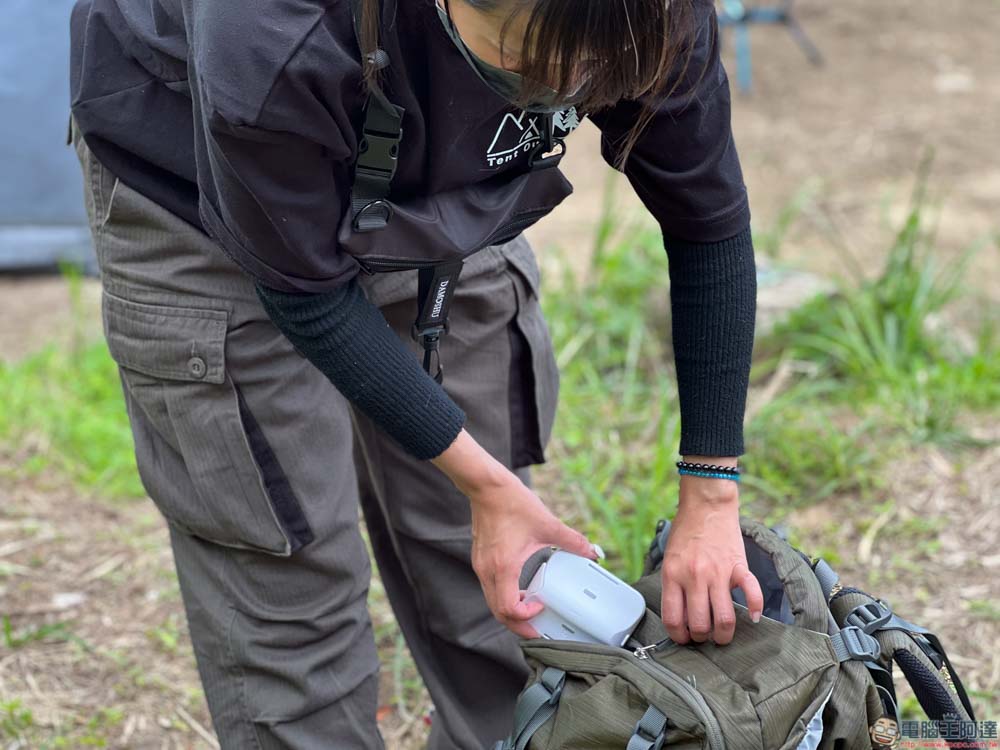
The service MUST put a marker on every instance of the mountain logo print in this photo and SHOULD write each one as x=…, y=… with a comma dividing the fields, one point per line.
x=519, y=132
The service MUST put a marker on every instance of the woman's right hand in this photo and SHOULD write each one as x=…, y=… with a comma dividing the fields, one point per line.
x=509, y=524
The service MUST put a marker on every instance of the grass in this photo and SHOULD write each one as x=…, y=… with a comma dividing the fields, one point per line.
x=18, y=724
x=32, y=634
x=802, y=451
x=67, y=404
x=15, y=719
x=884, y=340
x=64, y=404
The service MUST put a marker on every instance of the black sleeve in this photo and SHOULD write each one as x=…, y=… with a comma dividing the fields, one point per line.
x=713, y=302
x=687, y=173
x=685, y=167
x=274, y=172
x=349, y=341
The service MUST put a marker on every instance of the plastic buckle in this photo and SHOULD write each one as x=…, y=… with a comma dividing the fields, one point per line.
x=869, y=616
x=377, y=208
x=378, y=153
x=557, y=693
x=555, y=690
x=860, y=645
x=436, y=331
x=655, y=742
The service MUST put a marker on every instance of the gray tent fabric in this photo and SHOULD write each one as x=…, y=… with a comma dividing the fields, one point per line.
x=42, y=219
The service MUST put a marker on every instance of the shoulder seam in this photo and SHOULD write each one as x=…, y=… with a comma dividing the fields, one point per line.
x=296, y=48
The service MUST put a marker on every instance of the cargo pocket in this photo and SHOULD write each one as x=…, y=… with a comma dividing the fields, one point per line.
x=100, y=184
x=533, y=383
x=202, y=455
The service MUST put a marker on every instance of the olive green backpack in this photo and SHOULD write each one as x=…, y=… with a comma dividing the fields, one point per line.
x=814, y=674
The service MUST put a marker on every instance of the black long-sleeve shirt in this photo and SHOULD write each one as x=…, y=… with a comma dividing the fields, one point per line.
x=241, y=116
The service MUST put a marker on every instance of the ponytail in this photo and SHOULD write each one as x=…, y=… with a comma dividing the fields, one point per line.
x=370, y=22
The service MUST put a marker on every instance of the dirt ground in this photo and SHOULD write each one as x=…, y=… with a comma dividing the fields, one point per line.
x=94, y=580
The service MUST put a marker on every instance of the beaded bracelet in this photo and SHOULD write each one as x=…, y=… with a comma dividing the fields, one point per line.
x=707, y=467
x=712, y=475
x=708, y=470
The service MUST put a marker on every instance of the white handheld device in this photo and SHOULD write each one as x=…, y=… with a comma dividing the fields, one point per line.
x=583, y=601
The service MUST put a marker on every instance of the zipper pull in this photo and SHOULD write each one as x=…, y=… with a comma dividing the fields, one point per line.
x=643, y=652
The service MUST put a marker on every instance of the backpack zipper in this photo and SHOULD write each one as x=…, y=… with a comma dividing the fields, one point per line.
x=369, y=264
x=521, y=221
x=679, y=685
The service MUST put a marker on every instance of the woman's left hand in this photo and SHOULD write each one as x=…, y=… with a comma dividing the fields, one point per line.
x=703, y=561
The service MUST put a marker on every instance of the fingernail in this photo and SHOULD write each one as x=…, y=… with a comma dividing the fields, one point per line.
x=598, y=551
x=755, y=616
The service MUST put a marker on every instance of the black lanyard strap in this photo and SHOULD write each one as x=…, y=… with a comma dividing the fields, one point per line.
x=435, y=288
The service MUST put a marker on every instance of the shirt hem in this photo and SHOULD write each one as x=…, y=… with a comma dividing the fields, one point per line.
x=253, y=266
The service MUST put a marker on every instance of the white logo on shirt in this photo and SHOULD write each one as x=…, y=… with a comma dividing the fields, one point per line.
x=518, y=133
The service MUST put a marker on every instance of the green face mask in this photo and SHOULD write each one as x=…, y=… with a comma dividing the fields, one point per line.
x=504, y=83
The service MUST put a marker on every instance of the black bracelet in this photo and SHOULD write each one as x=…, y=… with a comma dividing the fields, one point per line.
x=708, y=467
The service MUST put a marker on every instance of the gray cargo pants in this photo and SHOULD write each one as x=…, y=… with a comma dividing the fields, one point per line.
x=259, y=464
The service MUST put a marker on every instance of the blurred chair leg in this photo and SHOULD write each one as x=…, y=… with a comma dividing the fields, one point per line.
x=744, y=65
x=812, y=53
x=736, y=15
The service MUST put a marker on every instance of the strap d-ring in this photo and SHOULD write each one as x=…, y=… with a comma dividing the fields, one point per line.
x=373, y=215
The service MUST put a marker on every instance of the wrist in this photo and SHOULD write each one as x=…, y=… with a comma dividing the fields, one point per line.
x=470, y=467
x=708, y=492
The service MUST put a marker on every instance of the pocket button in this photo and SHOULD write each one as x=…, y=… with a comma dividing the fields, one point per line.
x=196, y=366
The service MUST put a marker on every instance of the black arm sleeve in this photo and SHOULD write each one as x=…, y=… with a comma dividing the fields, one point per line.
x=349, y=341
x=713, y=301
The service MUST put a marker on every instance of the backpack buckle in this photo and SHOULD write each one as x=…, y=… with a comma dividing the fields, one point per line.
x=854, y=644
x=553, y=680
x=378, y=153
x=870, y=616
x=651, y=743
x=650, y=730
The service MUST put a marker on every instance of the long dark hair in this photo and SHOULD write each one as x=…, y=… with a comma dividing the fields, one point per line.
x=631, y=49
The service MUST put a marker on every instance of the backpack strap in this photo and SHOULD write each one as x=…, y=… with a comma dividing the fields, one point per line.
x=378, y=149
x=376, y=164
x=378, y=155
x=858, y=632
x=874, y=617
x=853, y=644
x=827, y=577
x=882, y=619
x=650, y=731
x=535, y=706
